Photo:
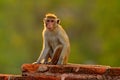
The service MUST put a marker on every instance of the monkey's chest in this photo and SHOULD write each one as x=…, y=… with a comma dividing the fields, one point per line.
x=53, y=41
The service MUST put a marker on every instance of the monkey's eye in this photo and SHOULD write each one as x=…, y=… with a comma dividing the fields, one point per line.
x=50, y=21
x=47, y=20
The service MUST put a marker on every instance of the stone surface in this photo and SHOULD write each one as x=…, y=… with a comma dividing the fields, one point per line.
x=65, y=72
x=72, y=72
x=4, y=76
x=7, y=76
x=76, y=69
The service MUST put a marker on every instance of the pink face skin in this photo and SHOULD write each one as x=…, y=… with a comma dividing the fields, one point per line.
x=50, y=23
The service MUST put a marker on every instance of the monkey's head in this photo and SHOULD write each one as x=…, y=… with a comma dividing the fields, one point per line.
x=51, y=21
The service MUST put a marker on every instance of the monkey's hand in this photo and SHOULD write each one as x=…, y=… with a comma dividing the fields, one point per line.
x=36, y=63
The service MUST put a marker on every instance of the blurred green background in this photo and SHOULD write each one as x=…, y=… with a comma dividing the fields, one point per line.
x=93, y=27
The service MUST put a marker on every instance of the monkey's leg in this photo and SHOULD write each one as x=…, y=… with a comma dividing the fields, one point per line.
x=65, y=59
x=56, y=55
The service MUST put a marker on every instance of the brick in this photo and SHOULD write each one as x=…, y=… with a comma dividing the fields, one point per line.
x=5, y=76
x=43, y=77
x=30, y=67
x=76, y=69
x=113, y=71
x=64, y=72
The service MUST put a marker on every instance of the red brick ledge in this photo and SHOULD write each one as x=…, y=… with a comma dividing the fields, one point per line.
x=71, y=68
x=72, y=72
x=8, y=76
x=65, y=72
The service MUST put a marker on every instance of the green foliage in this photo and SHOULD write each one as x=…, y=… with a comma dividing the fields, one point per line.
x=92, y=25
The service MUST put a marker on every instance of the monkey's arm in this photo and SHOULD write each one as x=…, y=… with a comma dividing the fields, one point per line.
x=44, y=51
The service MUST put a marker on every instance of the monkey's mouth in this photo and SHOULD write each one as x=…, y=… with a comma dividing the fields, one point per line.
x=49, y=28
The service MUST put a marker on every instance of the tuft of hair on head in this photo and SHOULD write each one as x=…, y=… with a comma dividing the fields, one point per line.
x=50, y=15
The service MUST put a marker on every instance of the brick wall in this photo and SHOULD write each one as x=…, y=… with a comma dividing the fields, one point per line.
x=65, y=72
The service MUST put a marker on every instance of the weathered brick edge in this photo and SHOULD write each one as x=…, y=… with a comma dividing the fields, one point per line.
x=65, y=72
x=72, y=71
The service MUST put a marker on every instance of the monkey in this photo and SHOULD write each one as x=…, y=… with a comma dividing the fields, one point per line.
x=56, y=45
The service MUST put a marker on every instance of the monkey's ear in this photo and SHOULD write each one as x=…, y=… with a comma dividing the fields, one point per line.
x=44, y=19
x=58, y=21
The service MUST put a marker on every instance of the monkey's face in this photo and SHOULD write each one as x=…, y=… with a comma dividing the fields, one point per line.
x=51, y=23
